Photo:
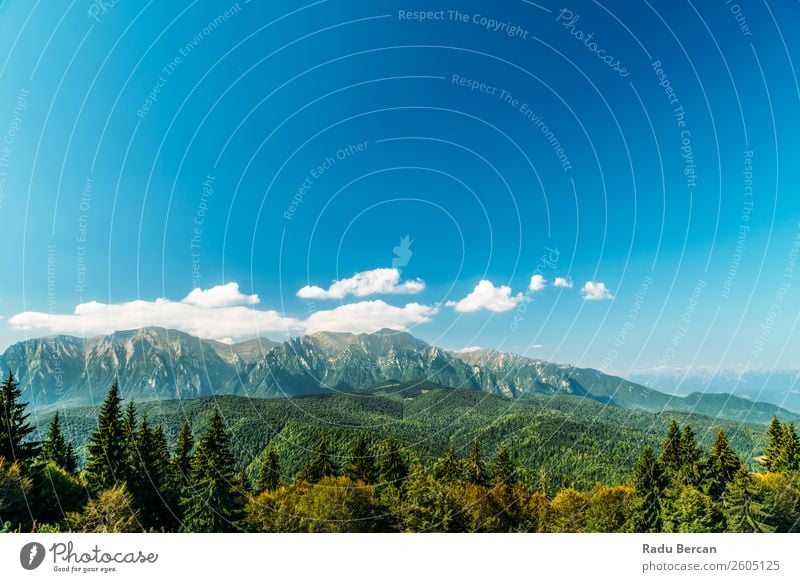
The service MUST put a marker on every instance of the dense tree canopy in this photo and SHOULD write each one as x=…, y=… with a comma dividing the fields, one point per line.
x=138, y=482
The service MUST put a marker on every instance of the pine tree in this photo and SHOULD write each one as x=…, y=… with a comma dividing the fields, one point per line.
x=211, y=502
x=693, y=512
x=269, y=476
x=648, y=481
x=169, y=487
x=672, y=450
x=393, y=470
x=772, y=453
x=130, y=424
x=55, y=447
x=362, y=463
x=503, y=469
x=722, y=466
x=321, y=465
x=71, y=460
x=744, y=512
x=691, y=458
x=163, y=458
x=149, y=482
x=108, y=445
x=450, y=468
x=789, y=454
x=475, y=470
x=182, y=461
x=14, y=425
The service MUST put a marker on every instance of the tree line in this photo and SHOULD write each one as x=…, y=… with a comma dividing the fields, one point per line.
x=133, y=480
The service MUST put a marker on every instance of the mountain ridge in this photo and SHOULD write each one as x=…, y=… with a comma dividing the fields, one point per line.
x=158, y=364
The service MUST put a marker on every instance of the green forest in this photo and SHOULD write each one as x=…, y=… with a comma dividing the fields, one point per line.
x=361, y=467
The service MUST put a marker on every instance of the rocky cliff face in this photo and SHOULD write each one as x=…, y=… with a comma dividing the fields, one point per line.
x=155, y=364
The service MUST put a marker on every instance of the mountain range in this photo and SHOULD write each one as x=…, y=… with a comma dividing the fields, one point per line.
x=780, y=386
x=162, y=364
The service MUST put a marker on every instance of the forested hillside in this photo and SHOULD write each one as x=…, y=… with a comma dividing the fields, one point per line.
x=579, y=441
x=402, y=458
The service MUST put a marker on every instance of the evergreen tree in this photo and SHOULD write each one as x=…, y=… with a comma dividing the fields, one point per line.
x=362, y=463
x=55, y=447
x=693, y=512
x=108, y=448
x=503, y=469
x=789, y=453
x=648, y=481
x=691, y=458
x=722, y=466
x=71, y=460
x=321, y=465
x=14, y=425
x=672, y=457
x=475, y=470
x=182, y=461
x=772, y=453
x=130, y=424
x=211, y=503
x=393, y=469
x=450, y=468
x=150, y=483
x=163, y=459
x=269, y=477
x=743, y=510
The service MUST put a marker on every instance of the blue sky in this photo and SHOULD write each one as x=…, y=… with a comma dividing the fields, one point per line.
x=256, y=150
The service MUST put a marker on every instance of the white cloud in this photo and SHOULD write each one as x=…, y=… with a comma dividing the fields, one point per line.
x=562, y=282
x=487, y=296
x=220, y=296
x=94, y=318
x=596, y=291
x=468, y=350
x=208, y=314
x=376, y=281
x=537, y=283
x=368, y=317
